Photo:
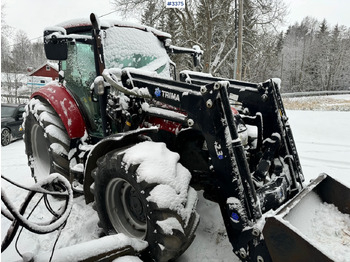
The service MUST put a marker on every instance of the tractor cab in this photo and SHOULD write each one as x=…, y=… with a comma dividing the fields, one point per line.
x=86, y=47
x=83, y=58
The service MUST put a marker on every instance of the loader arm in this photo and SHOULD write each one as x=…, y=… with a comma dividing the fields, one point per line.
x=255, y=97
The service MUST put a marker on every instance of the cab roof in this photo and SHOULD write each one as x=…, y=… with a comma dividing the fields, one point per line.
x=84, y=24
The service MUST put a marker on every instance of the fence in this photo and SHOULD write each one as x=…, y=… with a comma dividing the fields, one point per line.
x=12, y=99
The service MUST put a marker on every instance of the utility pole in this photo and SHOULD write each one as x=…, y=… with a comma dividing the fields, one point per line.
x=235, y=42
x=239, y=42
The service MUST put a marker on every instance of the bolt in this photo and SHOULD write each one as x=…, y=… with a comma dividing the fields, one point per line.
x=242, y=253
x=264, y=97
x=259, y=259
x=255, y=232
x=203, y=89
x=217, y=86
x=209, y=103
x=190, y=122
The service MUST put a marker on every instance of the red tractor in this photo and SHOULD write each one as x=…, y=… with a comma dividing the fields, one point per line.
x=136, y=141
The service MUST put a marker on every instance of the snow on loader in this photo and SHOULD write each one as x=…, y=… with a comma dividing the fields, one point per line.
x=137, y=141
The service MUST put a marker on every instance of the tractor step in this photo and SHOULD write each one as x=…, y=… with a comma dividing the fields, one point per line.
x=313, y=226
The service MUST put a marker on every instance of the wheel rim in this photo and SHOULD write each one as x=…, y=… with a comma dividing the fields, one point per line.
x=41, y=158
x=5, y=137
x=125, y=210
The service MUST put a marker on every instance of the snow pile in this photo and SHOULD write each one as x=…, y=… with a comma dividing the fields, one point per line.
x=92, y=249
x=172, y=178
x=127, y=259
x=323, y=225
x=169, y=224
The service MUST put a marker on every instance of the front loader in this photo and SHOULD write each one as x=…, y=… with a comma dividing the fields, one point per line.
x=136, y=141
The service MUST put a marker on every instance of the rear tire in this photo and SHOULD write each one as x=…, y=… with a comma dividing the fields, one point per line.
x=125, y=204
x=46, y=140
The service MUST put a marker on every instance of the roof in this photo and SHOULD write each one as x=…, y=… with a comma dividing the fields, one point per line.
x=52, y=65
x=70, y=25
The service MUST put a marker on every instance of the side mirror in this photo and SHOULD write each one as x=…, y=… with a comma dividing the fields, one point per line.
x=56, y=46
x=195, y=52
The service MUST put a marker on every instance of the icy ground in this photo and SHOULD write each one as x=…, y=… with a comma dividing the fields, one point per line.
x=323, y=142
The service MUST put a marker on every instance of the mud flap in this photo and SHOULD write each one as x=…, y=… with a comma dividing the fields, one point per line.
x=285, y=240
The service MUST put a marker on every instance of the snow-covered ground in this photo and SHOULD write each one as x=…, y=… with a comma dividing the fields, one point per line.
x=323, y=143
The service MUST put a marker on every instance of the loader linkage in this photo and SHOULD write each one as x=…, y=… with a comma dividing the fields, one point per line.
x=203, y=104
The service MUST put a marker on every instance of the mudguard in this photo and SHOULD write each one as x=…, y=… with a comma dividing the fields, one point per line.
x=65, y=106
x=114, y=142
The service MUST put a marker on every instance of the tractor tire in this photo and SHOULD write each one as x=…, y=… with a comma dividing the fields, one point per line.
x=126, y=201
x=46, y=140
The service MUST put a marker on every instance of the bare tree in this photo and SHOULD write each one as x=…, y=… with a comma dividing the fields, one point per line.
x=211, y=24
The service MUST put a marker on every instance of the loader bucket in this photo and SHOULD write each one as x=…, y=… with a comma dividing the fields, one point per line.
x=313, y=226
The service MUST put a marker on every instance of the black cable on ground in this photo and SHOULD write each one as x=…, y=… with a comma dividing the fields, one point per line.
x=45, y=186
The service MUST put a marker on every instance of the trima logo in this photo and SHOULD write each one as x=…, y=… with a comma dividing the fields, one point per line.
x=171, y=96
x=166, y=94
x=157, y=92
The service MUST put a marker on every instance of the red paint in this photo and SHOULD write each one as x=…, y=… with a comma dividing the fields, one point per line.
x=166, y=125
x=234, y=111
x=65, y=106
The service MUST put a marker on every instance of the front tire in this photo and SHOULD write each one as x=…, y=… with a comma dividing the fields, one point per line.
x=130, y=201
x=46, y=140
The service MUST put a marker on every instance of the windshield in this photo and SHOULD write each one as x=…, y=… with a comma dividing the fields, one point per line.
x=130, y=47
x=7, y=111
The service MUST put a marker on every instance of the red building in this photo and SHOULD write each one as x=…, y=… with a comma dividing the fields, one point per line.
x=42, y=75
x=46, y=70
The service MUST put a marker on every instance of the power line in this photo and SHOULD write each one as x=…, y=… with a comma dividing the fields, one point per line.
x=35, y=38
x=108, y=13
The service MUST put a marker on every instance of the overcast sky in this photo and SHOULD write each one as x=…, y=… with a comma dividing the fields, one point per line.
x=32, y=16
x=334, y=11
